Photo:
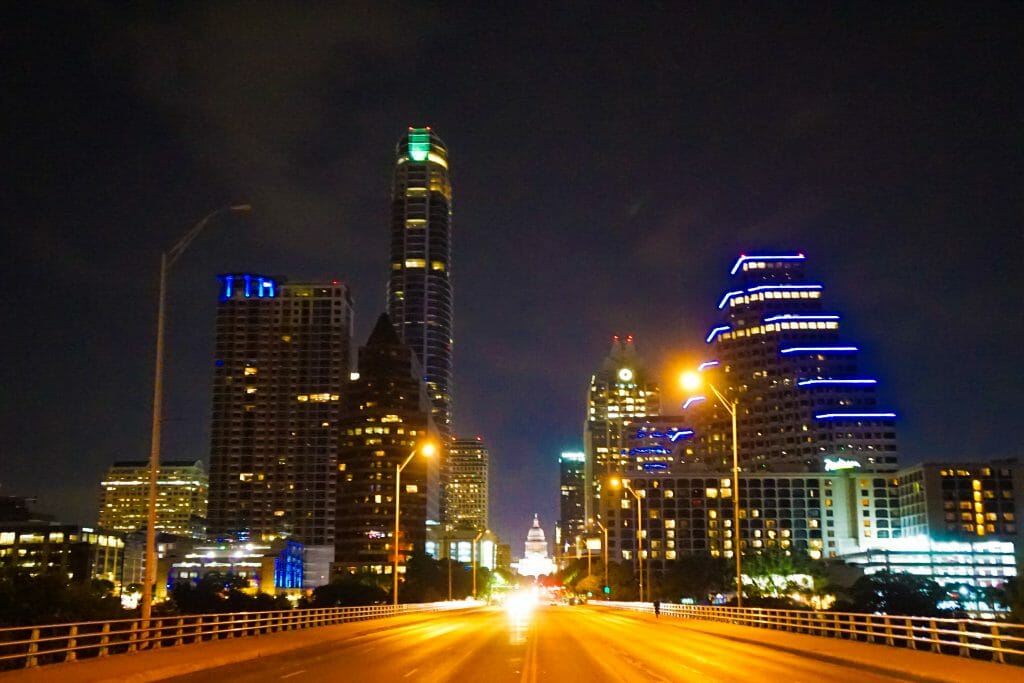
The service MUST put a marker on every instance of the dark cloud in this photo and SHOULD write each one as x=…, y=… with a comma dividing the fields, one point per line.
x=608, y=163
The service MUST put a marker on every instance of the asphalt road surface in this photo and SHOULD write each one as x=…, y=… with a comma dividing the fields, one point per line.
x=549, y=643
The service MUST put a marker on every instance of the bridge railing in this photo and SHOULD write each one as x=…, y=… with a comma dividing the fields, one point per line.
x=30, y=646
x=991, y=640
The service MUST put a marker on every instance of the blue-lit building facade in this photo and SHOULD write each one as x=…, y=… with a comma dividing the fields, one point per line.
x=784, y=357
x=275, y=567
x=655, y=444
x=281, y=363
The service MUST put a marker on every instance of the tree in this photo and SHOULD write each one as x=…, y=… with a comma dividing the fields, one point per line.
x=696, y=577
x=350, y=591
x=217, y=592
x=897, y=593
x=53, y=598
x=424, y=580
x=1013, y=596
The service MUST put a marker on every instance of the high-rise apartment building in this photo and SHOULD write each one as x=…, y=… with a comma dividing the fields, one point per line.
x=466, y=480
x=420, y=288
x=802, y=397
x=572, y=519
x=386, y=417
x=620, y=393
x=181, y=503
x=282, y=360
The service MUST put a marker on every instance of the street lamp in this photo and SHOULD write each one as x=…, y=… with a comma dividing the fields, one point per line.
x=426, y=450
x=604, y=545
x=167, y=259
x=478, y=536
x=692, y=381
x=616, y=483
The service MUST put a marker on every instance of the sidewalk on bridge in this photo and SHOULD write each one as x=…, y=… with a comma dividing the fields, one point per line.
x=916, y=665
x=155, y=665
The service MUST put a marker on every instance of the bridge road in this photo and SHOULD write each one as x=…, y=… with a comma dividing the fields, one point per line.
x=551, y=643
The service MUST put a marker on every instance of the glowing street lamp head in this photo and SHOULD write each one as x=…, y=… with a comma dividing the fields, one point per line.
x=427, y=449
x=615, y=483
x=690, y=381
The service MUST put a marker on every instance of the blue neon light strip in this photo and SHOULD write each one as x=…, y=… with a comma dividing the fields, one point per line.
x=672, y=435
x=766, y=288
x=815, y=382
x=707, y=364
x=653, y=450
x=715, y=331
x=819, y=349
x=693, y=399
x=776, y=257
x=785, y=317
x=728, y=295
x=852, y=416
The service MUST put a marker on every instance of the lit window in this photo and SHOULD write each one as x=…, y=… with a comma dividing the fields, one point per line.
x=415, y=263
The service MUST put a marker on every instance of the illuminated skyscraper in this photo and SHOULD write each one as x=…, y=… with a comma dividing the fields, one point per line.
x=465, y=491
x=803, y=402
x=572, y=521
x=419, y=288
x=281, y=364
x=620, y=393
x=386, y=416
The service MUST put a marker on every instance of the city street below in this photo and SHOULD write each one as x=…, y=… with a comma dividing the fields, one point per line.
x=546, y=643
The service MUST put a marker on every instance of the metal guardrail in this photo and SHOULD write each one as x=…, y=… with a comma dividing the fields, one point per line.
x=30, y=646
x=995, y=641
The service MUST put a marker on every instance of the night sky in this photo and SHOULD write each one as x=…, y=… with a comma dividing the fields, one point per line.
x=608, y=163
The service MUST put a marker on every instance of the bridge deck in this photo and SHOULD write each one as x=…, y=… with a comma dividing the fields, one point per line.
x=553, y=643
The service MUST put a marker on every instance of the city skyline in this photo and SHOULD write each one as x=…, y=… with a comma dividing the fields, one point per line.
x=581, y=213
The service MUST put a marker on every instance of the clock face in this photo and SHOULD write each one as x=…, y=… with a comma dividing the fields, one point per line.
x=625, y=374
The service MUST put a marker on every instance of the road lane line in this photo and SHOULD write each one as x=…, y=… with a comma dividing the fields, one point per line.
x=294, y=673
x=530, y=660
x=410, y=673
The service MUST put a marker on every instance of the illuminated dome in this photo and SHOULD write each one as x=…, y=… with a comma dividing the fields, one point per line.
x=535, y=560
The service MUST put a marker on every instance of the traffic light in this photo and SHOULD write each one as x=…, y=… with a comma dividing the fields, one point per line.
x=607, y=589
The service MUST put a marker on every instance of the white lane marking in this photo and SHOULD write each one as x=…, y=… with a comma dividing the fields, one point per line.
x=410, y=673
x=294, y=673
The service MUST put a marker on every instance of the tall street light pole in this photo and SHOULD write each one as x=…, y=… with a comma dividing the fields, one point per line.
x=691, y=381
x=639, y=530
x=475, y=540
x=427, y=450
x=167, y=259
x=604, y=545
